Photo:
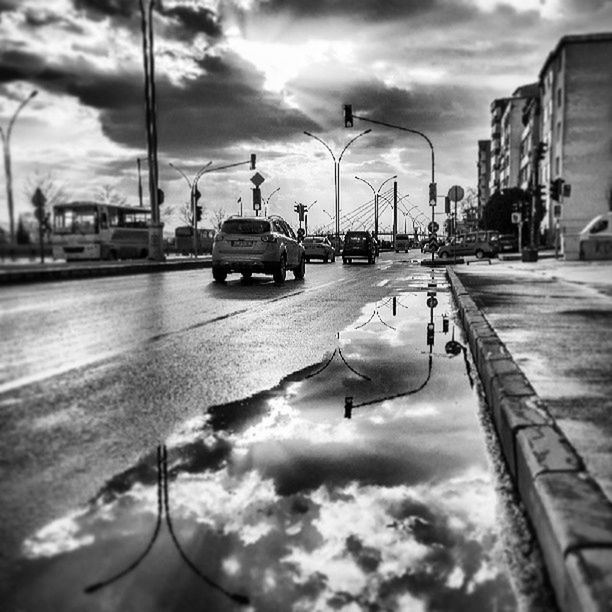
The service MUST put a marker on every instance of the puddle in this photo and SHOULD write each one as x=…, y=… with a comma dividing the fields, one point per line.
x=282, y=501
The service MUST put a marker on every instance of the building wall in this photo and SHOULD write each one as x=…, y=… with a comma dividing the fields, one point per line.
x=484, y=173
x=585, y=97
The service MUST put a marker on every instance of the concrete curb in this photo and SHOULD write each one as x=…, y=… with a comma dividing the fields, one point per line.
x=570, y=514
x=60, y=272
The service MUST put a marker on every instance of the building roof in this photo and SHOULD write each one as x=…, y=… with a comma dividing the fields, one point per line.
x=573, y=39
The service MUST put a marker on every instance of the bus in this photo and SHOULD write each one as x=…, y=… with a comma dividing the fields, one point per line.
x=183, y=240
x=93, y=230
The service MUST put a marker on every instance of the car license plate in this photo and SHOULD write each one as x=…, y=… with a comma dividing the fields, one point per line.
x=242, y=243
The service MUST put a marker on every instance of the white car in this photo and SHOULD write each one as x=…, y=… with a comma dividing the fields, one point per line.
x=596, y=238
x=266, y=245
x=319, y=247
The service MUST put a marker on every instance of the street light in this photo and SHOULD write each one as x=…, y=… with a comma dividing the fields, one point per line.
x=193, y=199
x=268, y=200
x=376, y=194
x=6, y=142
x=337, y=175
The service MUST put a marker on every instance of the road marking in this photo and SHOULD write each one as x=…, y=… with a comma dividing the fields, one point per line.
x=382, y=283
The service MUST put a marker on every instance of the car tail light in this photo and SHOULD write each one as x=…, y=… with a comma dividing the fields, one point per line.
x=268, y=238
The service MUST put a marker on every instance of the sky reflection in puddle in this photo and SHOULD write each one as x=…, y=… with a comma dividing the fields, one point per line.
x=281, y=499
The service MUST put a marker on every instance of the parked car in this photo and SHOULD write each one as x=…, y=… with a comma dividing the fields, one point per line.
x=318, y=247
x=508, y=243
x=595, y=241
x=266, y=245
x=359, y=245
x=403, y=242
x=482, y=243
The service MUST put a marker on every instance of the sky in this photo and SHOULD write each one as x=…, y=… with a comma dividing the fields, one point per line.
x=236, y=77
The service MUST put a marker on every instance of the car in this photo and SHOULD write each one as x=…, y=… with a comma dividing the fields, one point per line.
x=266, y=245
x=596, y=238
x=403, y=242
x=481, y=243
x=318, y=247
x=508, y=243
x=359, y=245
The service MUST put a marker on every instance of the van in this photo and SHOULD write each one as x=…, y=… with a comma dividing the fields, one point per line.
x=402, y=243
x=596, y=238
x=359, y=245
x=483, y=243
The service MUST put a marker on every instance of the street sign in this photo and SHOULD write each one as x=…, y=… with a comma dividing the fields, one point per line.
x=432, y=302
x=433, y=226
x=257, y=179
x=516, y=217
x=456, y=193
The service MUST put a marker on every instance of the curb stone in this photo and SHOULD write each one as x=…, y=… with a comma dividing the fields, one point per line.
x=570, y=515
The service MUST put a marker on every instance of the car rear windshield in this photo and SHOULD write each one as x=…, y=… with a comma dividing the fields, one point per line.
x=245, y=226
x=356, y=240
x=402, y=236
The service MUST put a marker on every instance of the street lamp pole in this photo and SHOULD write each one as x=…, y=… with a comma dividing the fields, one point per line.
x=268, y=200
x=337, y=175
x=193, y=198
x=376, y=196
x=156, y=227
x=6, y=142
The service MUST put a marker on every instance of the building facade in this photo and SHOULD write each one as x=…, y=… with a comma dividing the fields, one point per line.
x=484, y=174
x=576, y=98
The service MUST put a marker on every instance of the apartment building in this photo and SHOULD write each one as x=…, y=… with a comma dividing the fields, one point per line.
x=484, y=173
x=576, y=124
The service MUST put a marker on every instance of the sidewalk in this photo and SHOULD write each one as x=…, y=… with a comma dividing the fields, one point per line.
x=541, y=337
x=33, y=272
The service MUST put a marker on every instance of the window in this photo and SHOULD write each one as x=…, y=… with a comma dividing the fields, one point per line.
x=599, y=226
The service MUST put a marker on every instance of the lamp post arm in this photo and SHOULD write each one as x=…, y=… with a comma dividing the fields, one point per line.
x=205, y=171
x=14, y=117
x=323, y=143
x=405, y=129
x=350, y=142
x=181, y=173
x=367, y=183
x=386, y=181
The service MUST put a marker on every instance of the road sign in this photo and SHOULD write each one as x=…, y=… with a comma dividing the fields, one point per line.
x=456, y=193
x=257, y=179
x=433, y=226
x=432, y=302
x=516, y=217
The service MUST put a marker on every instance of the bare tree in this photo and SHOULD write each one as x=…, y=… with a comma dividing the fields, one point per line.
x=53, y=189
x=218, y=217
x=108, y=194
x=186, y=214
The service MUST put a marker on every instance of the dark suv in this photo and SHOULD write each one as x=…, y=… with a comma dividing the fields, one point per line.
x=359, y=245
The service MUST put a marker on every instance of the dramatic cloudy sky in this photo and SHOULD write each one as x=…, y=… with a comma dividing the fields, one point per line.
x=241, y=76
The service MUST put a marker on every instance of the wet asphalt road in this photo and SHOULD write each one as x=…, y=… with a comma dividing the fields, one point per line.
x=277, y=496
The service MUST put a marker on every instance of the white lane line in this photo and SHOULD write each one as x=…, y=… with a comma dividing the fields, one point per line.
x=382, y=283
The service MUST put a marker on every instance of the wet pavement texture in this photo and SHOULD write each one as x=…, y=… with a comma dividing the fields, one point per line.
x=282, y=502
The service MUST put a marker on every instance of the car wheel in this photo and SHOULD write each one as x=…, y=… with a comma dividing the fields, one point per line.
x=281, y=271
x=333, y=257
x=300, y=270
x=344, y=260
x=479, y=254
x=325, y=259
x=219, y=274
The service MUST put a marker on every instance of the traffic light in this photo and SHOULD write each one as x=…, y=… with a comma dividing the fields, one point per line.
x=196, y=195
x=433, y=194
x=555, y=189
x=541, y=150
x=348, y=115
x=256, y=198
x=348, y=407
x=160, y=196
x=430, y=334
x=447, y=205
x=540, y=193
x=198, y=210
x=302, y=211
x=297, y=208
x=253, y=156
